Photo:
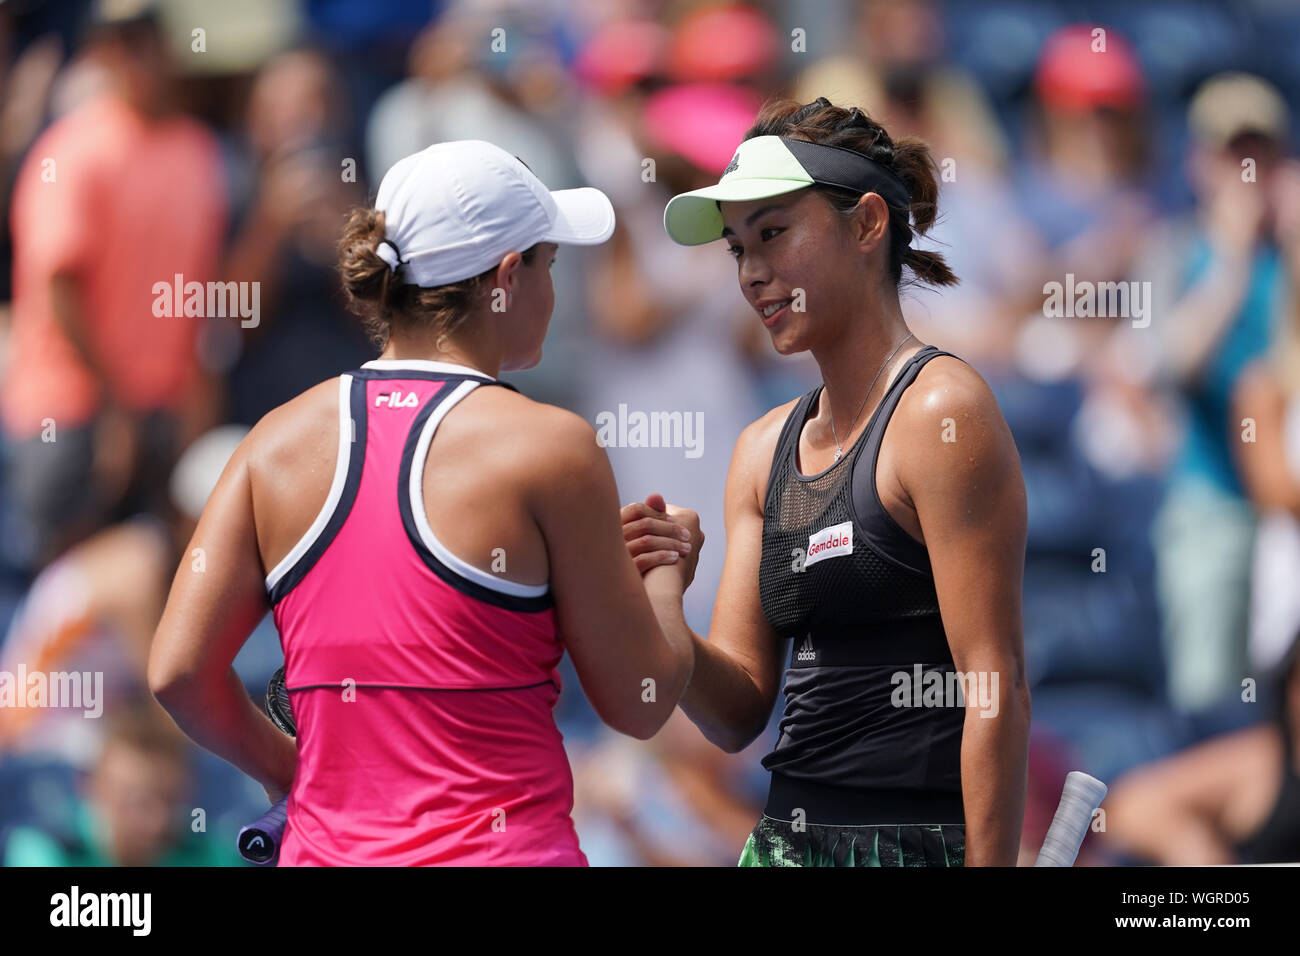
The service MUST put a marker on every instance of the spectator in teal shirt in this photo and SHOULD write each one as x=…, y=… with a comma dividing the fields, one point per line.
x=136, y=810
x=1224, y=288
x=1205, y=454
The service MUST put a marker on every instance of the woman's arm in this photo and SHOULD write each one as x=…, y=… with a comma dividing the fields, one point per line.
x=738, y=668
x=1196, y=323
x=960, y=469
x=604, y=614
x=1263, y=464
x=1180, y=811
x=217, y=599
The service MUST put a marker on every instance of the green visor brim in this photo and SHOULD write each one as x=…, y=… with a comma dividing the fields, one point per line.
x=693, y=218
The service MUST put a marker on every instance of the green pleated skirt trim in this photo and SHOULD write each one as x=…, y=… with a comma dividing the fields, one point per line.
x=781, y=843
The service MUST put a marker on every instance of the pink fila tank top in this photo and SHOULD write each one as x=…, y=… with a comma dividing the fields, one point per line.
x=422, y=686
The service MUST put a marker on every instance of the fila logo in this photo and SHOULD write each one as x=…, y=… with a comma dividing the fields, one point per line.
x=830, y=543
x=806, y=652
x=397, y=399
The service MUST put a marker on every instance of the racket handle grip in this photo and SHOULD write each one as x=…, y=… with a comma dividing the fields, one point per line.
x=1081, y=796
x=259, y=842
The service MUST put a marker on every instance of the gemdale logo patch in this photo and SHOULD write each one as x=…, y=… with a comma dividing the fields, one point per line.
x=830, y=543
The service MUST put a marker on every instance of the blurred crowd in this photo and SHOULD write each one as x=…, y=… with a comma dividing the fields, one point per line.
x=1141, y=152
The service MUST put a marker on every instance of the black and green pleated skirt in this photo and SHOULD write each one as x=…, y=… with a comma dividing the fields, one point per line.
x=811, y=824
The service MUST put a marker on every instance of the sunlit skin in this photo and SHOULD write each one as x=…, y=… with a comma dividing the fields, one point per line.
x=800, y=241
x=534, y=300
x=774, y=243
x=506, y=338
x=964, y=500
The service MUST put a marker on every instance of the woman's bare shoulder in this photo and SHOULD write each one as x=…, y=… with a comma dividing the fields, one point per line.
x=521, y=442
x=751, y=463
x=947, y=384
x=951, y=405
x=296, y=435
x=762, y=434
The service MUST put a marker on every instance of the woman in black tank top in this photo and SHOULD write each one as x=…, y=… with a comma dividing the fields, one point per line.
x=877, y=523
x=1232, y=799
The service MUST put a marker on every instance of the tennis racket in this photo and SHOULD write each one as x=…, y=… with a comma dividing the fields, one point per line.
x=259, y=842
x=1082, y=795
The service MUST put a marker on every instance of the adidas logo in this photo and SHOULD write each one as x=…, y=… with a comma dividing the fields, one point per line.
x=806, y=652
x=731, y=166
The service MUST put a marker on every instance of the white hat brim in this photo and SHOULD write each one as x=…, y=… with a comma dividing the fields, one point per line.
x=583, y=217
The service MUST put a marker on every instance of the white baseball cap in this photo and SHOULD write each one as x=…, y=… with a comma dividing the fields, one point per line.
x=1228, y=105
x=454, y=210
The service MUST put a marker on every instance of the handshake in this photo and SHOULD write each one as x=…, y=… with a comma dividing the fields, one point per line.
x=658, y=534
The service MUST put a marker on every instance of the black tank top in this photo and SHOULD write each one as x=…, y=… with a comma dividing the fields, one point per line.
x=855, y=592
x=1278, y=838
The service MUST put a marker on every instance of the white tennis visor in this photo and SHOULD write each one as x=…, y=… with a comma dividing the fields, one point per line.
x=767, y=166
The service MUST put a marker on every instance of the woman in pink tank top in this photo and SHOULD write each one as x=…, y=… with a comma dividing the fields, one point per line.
x=429, y=542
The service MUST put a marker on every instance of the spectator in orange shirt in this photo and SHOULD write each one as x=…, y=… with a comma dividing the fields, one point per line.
x=120, y=194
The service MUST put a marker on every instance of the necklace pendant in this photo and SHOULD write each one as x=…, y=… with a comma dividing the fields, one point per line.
x=838, y=452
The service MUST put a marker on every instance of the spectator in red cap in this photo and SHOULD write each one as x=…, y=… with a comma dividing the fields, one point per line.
x=1084, y=68
x=722, y=43
x=1083, y=185
x=1083, y=190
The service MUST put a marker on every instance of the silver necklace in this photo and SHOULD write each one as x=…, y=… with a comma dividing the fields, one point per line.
x=839, y=451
